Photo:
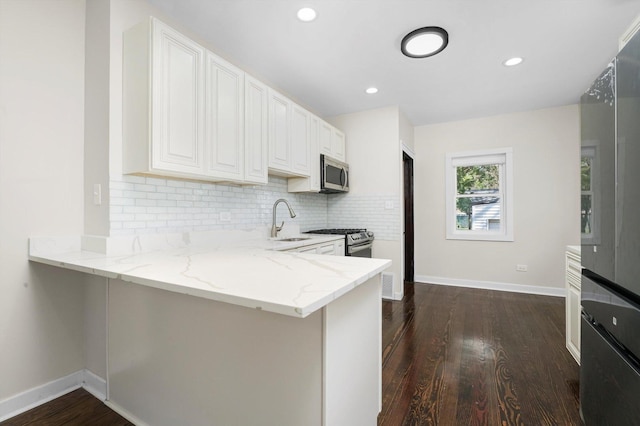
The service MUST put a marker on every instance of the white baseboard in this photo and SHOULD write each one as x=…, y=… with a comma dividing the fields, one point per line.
x=95, y=385
x=39, y=395
x=126, y=414
x=492, y=285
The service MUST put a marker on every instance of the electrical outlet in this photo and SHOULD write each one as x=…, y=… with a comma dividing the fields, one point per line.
x=521, y=268
x=225, y=216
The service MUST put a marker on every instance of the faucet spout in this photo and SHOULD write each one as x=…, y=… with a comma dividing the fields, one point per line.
x=275, y=228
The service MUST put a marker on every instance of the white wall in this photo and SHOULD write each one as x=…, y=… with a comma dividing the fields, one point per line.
x=96, y=129
x=41, y=184
x=546, y=153
x=374, y=155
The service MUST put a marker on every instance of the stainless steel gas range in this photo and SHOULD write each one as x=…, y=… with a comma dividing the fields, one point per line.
x=358, y=242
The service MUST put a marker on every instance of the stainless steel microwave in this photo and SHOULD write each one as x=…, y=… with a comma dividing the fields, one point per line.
x=334, y=175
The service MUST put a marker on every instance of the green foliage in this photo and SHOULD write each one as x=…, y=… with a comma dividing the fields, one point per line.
x=475, y=178
x=585, y=173
x=469, y=178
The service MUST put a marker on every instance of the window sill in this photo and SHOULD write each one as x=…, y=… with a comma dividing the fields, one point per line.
x=479, y=236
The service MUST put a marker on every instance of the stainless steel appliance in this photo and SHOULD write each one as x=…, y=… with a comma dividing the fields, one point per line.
x=610, y=294
x=334, y=175
x=358, y=242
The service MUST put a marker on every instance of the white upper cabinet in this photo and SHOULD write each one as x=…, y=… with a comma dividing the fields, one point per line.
x=300, y=149
x=289, y=153
x=311, y=183
x=325, y=139
x=177, y=95
x=166, y=135
x=279, y=132
x=256, y=130
x=332, y=142
x=188, y=113
x=338, y=145
x=224, y=122
x=184, y=110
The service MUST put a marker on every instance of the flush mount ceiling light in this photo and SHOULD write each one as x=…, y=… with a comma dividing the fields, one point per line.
x=372, y=90
x=512, y=62
x=306, y=14
x=424, y=42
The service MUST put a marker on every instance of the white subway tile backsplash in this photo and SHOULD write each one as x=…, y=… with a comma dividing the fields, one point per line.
x=353, y=211
x=142, y=205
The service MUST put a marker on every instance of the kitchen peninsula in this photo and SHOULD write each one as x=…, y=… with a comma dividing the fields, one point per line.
x=229, y=328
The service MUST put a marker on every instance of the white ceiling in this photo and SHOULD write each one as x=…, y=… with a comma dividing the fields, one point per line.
x=326, y=65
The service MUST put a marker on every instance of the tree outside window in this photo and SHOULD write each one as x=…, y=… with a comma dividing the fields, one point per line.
x=479, y=195
x=586, y=196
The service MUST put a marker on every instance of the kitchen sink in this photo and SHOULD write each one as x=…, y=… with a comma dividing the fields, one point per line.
x=295, y=239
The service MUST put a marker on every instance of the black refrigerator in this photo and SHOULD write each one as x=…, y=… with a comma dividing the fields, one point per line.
x=610, y=224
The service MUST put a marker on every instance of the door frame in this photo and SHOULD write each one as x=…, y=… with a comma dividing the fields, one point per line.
x=408, y=221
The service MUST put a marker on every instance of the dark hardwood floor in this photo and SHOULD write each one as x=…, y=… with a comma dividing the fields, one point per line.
x=460, y=356
x=451, y=356
x=77, y=408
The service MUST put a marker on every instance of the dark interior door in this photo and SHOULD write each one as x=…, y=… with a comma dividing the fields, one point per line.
x=408, y=217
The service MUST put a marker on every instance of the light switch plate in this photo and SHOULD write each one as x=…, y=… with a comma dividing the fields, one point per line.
x=97, y=194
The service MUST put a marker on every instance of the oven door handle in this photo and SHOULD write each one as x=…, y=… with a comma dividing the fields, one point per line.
x=355, y=249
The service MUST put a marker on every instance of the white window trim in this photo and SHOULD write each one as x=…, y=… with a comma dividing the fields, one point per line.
x=489, y=156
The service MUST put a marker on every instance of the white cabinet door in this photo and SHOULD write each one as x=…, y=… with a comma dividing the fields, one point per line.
x=332, y=248
x=326, y=139
x=224, y=112
x=177, y=102
x=311, y=183
x=300, y=153
x=338, y=145
x=311, y=250
x=256, y=131
x=327, y=249
x=332, y=142
x=279, y=132
x=573, y=303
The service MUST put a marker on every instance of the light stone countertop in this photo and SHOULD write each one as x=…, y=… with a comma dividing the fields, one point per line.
x=239, y=267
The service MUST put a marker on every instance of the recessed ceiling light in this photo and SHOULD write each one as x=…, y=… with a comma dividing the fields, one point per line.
x=306, y=14
x=372, y=90
x=512, y=62
x=424, y=42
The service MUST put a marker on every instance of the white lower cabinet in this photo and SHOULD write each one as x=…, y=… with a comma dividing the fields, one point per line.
x=573, y=304
x=334, y=248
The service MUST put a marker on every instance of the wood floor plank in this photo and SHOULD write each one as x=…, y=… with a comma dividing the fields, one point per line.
x=77, y=408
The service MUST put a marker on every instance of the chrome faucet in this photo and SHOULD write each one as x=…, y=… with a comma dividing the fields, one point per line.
x=275, y=228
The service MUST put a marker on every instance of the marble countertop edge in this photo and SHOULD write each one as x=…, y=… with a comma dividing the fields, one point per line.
x=245, y=273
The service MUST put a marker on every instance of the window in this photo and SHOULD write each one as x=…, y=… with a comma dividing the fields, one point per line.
x=479, y=187
x=588, y=191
